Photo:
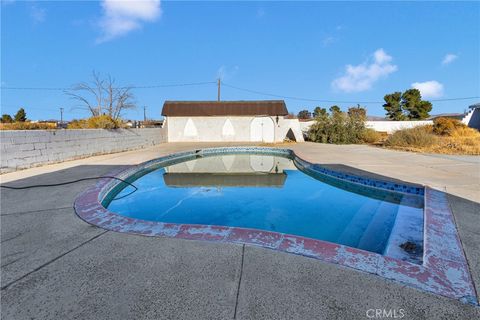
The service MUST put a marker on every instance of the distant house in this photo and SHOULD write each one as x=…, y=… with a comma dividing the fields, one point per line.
x=256, y=121
x=472, y=117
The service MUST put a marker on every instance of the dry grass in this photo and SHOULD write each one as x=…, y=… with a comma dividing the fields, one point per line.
x=98, y=122
x=27, y=126
x=461, y=140
x=371, y=136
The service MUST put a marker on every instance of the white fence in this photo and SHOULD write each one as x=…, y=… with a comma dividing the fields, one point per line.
x=392, y=126
x=382, y=126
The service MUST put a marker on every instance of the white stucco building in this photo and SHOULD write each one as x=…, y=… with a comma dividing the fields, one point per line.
x=229, y=170
x=258, y=121
x=472, y=117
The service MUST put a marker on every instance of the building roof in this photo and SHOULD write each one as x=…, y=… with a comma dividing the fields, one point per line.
x=474, y=106
x=224, y=180
x=224, y=108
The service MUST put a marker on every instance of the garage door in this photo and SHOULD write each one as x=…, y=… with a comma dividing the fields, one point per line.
x=262, y=129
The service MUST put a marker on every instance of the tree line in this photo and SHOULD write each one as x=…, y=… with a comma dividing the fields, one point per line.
x=20, y=116
x=398, y=106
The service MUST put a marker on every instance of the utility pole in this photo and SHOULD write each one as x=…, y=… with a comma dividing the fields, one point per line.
x=218, y=93
x=61, y=116
x=144, y=113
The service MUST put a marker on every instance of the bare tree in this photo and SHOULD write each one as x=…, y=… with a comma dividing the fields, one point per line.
x=100, y=96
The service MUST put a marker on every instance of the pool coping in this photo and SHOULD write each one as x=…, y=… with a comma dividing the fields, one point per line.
x=444, y=270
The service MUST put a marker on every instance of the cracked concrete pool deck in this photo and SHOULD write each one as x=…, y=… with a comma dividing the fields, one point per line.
x=54, y=265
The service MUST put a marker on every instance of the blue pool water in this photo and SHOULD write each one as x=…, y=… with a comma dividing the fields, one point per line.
x=264, y=192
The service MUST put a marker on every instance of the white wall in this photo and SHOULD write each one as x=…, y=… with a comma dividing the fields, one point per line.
x=207, y=129
x=392, y=126
x=285, y=124
x=305, y=125
x=27, y=148
x=184, y=129
x=382, y=126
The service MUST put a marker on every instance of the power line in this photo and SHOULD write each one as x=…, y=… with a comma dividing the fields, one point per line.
x=291, y=97
x=454, y=99
x=236, y=88
x=330, y=101
x=3, y=107
x=124, y=87
x=171, y=85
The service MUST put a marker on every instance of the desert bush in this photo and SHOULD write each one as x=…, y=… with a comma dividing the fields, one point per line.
x=77, y=124
x=98, y=122
x=371, y=136
x=103, y=122
x=27, y=126
x=338, y=127
x=417, y=137
x=446, y=126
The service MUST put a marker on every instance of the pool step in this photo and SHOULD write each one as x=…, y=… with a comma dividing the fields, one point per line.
x=408, y=227
x=352, y=232
x=378, y=230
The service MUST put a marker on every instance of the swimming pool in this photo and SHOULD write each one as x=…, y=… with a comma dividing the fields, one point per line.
x=267, y=192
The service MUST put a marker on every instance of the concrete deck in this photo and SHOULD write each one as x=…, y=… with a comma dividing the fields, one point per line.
x=54, y=265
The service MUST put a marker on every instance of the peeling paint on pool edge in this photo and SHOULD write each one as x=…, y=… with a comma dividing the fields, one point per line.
x=444, y=270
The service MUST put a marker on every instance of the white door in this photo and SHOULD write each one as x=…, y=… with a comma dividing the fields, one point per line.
x=262, y=129
x=260, y=163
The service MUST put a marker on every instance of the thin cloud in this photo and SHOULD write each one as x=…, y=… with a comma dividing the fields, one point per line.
x=120, y=17
x=429, y=89
x=260, y=13
x=449, y=58
x=328, y=40
x=225, y=73
x=362, y=77
x=332, y=36
x=38, y=14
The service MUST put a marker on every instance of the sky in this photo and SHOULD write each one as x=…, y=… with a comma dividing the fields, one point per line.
x=344, y=52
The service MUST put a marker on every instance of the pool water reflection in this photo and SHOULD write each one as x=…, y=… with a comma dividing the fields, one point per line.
x=268, y=193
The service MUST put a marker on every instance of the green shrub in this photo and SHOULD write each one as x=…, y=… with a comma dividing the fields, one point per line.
x=446, y=126
x=371, y=136
x=420, y=136
x=338, y=127
x=6, y=118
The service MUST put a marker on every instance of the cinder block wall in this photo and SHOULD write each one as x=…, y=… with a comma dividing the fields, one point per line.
x=27, y=148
